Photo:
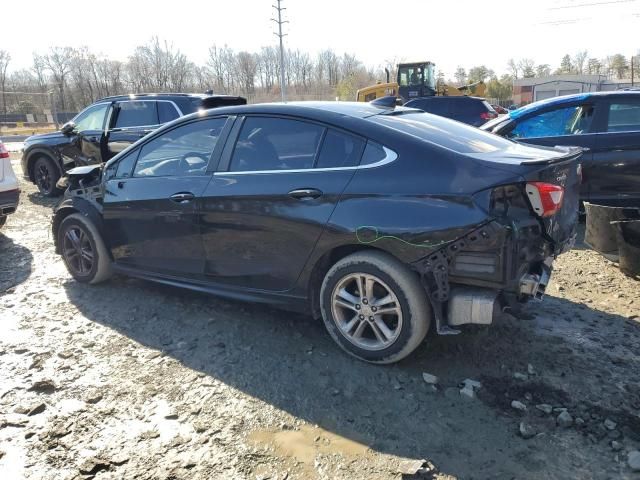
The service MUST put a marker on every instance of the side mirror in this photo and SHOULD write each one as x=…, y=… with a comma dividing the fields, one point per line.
x=67, y=128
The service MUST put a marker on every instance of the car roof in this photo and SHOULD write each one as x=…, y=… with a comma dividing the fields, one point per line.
x=318, y=110
x=447, y=97
x=576, y=97
x=133, y=96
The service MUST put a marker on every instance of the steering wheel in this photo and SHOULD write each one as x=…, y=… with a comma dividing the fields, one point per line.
x=186, y=166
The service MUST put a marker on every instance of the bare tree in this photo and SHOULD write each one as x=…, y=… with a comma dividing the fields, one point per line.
x=579, y=62
x=526, y=66
x=513, y=67
x=5, y=58
x=58, y=62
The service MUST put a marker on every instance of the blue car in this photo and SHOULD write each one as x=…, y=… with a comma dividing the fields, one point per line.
x=605, y=124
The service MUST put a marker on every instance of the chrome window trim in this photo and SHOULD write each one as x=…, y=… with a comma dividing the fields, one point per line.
x=390, y=156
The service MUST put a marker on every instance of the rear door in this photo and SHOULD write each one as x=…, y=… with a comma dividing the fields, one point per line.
x=565, y=125
x=133, y=119
x=614, y=174
x=279, y=181
x=150, y=201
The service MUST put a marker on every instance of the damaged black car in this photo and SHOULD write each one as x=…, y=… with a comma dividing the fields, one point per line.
x=385, y=222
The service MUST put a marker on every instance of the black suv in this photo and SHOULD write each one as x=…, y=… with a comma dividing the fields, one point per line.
x=104, y=129
x=470, y=110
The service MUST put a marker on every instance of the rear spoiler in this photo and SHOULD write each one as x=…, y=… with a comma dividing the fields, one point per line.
x=222, y=101
x=570, y=153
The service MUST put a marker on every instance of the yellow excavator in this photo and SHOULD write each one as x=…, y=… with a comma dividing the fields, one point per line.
x=416, y=80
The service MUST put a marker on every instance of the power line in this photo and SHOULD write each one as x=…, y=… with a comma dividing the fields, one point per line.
x=593, y=4
x=280, y=35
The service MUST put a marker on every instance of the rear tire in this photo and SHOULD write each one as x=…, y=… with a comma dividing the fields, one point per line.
x=83, y=250
x=357, y=322
x=46, y=174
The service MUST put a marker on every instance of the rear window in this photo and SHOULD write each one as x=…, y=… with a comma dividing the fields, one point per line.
x=167, y=112
x=436, y=106
x=444, y=132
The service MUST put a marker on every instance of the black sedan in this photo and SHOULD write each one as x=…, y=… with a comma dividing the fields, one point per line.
x=381, y=221
x=605, y=124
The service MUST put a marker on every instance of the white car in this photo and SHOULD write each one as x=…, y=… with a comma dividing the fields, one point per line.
x=9, y=190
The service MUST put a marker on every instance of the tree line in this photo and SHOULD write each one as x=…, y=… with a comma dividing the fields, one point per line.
x=615, y=66
x=79, y=76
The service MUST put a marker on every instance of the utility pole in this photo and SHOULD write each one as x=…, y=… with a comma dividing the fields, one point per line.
x=279, y=34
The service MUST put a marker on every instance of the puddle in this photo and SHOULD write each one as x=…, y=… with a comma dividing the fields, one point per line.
x=305, y=444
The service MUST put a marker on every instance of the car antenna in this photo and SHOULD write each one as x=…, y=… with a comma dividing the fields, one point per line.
x=388, y=101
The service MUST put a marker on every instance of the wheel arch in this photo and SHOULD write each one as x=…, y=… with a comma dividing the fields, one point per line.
x=36, y=153
x=75, y=205
x=325, y=262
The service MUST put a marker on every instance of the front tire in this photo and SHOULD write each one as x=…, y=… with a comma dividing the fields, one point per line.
x=3, y=220
x=374, y=307
x=46, y=175
x=83, y=250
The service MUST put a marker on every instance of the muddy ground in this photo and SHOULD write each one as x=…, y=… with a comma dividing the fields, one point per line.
x=133, y=380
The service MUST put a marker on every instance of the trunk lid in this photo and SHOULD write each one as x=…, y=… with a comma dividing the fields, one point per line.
x=554, y=165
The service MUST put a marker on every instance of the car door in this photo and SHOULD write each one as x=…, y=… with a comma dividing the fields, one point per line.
x=614, y=175
x=563, y=125
x=150, y=197
x=85, y=145
x=131, y=120
x=264, y=210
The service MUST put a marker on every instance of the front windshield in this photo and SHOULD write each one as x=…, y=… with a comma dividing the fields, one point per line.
x=417, y=75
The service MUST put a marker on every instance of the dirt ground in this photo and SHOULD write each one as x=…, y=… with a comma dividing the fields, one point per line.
x=133, y=380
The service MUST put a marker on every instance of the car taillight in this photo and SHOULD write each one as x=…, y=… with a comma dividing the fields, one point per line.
x=545, y=198
x=488, y=115
x=4, y=153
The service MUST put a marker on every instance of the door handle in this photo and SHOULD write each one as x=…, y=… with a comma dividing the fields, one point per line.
x=92, y=139
x=182, y=197
x=305, y=193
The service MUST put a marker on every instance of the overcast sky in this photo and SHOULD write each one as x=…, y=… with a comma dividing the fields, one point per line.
x=461, y=32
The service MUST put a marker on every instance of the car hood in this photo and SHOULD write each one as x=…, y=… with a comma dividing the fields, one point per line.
x=44, y=136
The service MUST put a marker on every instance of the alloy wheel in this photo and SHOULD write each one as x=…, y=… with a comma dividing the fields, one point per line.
x=366, y=311
x=43, y=178
x=77, y=251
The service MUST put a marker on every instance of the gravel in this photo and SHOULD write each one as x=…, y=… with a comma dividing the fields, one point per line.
x=135, y=380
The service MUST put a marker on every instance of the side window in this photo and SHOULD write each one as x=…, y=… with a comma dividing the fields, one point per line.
x=125, y=165
x=167, y=112
x=136, y=114
x=185, y=150
x=339, y=150
x=624, y=117
x=92, y=118
x=373, y=153
x=573, y=120
x=268, y=143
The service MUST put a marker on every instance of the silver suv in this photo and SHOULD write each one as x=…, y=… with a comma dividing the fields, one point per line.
x=9, y=190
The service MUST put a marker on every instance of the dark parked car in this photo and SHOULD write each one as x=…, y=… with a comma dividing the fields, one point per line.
x=470, y=110
x=605, y=124
x=500, y=110
x=105, y=128
x=380, y=220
